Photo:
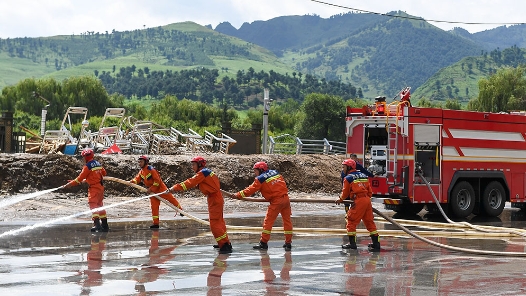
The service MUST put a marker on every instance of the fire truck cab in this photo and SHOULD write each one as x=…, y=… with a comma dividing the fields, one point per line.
x=472, y=162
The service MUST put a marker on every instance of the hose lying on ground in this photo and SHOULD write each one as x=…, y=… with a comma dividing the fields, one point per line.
x=333, y=231
x=413, y=234
x=479, y=228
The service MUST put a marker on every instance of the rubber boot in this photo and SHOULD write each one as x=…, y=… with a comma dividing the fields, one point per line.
x=225, y=248
x=216, y=246
x=375, y=246
x=261, y=246
x=154, y=226
x=351, y=244
x=96, y=225
x=287, y=246
x=104, y=225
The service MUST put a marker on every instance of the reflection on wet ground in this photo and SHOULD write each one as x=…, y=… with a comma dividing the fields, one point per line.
x=66, y=259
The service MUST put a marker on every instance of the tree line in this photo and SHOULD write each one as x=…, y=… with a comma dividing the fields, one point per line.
x=204, y=85
x=318, y=115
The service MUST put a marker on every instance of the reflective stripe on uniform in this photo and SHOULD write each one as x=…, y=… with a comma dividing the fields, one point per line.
x=147, y=176
x=155, y=184
x=221, y=237
x=375, y=233
x=267, y=231
x=183, y=185
x=351, y=233
x=360, y=181
x=242, y=193
x=287, y=232
x=96, y=168
x=272, y=178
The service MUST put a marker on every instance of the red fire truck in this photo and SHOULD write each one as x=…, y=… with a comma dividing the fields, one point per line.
x=472, y=161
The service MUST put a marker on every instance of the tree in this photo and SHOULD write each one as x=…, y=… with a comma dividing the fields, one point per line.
x=324, y=117
x=452, y=104
x=502, y=91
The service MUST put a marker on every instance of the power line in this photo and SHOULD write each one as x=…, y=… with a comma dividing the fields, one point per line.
x=411, y=17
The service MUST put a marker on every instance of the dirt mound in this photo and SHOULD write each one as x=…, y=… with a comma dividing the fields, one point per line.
x=303, y=173
x=308, y=176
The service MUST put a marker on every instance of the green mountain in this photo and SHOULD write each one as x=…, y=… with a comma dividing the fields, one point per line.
x=299, y=32
x=460, y=80
x=172, y=47
x=500, y=37
x=377, y=54
x=381, y=55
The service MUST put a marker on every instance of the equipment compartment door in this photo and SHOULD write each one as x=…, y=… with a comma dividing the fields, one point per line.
x=428, y=162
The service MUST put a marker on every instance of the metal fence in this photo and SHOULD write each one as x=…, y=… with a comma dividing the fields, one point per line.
x=288, y=144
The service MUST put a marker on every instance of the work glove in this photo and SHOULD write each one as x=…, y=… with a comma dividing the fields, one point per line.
x=338, y=201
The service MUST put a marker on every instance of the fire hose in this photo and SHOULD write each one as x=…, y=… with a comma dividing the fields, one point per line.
x=478, y=228
x=336, y=231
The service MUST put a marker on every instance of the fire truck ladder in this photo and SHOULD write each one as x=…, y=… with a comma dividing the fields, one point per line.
x=392, y=144
x=392, y=140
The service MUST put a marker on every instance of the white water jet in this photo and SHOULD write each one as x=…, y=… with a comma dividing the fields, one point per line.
x=18, y=198
x=47, y=223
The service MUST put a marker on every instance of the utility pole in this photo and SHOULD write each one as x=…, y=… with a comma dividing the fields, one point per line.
x=44, y=113
x=266, y=108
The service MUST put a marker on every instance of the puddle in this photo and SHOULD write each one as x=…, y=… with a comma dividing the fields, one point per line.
x=66, y=259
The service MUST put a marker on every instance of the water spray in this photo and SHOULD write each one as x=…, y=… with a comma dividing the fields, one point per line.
x=18, y=198
x=47, y=223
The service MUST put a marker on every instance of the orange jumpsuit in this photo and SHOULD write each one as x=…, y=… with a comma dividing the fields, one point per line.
x=208, y=183
x=274, y=189
x=151, y=179
x=92, y=173
x=356, y=187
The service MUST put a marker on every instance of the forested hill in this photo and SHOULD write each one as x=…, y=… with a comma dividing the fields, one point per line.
x=202, y=85
x=300, y=32
x=498, y=38
x=460, y=80
x=171, y=47
x=379, y=54
x=373, y=54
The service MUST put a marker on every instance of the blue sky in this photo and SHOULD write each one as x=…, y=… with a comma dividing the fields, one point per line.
x=34, y=18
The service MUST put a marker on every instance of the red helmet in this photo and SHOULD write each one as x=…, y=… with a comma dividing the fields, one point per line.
x=145, y=158
x=350, y=163
x=261, y=166
x=87, y=152
x=201, y=162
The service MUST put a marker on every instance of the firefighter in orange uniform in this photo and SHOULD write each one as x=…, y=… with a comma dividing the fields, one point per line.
x=274, y=189
x=151, y=179
x=92, y=174
x=208, y=183
x=356, y=187
x=360, y=168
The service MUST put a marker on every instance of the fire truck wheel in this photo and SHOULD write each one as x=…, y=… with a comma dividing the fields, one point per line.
x=493, y=199
x=462, y=199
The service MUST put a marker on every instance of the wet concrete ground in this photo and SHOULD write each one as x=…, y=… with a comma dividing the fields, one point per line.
x=66, y=259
